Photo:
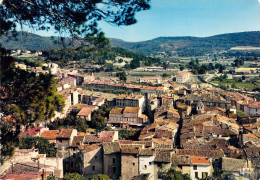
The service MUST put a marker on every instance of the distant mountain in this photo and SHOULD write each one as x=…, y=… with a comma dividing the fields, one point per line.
x=30, y=41
x=191, y=45
x=183, y=46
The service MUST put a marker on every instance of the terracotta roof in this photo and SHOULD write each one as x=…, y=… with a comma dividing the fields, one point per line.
x=30, y=132
x=131, y=109
x=111, y=147
x=88, y=148
x=85, y=111
x=199, y=152
x=65, y=133
x=77, y=140
x=233, y=165
x=130, y=149
x=50, y=134
x=199, y=160
x=163, y=155
x=147, y=152
x=181, y=160
x=116, y=111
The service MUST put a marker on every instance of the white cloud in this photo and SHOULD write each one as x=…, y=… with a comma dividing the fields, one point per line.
x=258, y=1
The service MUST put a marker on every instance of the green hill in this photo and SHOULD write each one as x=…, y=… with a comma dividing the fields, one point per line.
x=189, y=46
x=182, y=46
x=30, y=41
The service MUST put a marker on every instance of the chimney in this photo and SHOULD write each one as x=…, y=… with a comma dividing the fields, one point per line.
x=43, y=174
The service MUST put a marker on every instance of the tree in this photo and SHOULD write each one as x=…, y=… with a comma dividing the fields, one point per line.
x=122, y=76
x=165, y=65
x=181, y=68
x=73, y=176
x=100, y=177
x=172, y=174
x=40, y=143
x=76, y=17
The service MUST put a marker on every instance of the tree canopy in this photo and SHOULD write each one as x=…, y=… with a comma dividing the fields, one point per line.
x=76, y=17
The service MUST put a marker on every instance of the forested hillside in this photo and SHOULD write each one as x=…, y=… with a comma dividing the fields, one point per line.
x=189, y=46
x=182, y=46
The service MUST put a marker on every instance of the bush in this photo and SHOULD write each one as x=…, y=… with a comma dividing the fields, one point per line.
x=41, y=144
x=129, y=134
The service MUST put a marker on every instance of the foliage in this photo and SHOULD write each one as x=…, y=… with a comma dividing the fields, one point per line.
x=100, y=177
x=135, y=63
x=26, y=98
x=129, y=134
x=238, y=62
x=122, y=76
x=6, y=151
x=194, y=46
x=73, y=176
x=98, y=118
x=240, y=114
x=181, y=68
x=76, y=17
x=69, y=121
x=172, y=174
x=40, y=143
x=165, y=65
x=51, y=177
x=196, y=68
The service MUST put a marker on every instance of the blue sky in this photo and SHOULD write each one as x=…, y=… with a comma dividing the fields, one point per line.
x=188, y=18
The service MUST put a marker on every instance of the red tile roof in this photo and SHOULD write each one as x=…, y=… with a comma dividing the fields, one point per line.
x=65, y=133
x=50, y=134
x=199, y=160
x=85, y=111
x=30, y=132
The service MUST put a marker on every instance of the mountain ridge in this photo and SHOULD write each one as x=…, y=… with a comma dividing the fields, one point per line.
x=170, y=45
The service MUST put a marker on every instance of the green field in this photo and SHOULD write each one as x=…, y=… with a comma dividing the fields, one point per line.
x=229, y=82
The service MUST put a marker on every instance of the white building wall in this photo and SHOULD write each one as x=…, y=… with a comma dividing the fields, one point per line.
x=146, y=165
x=200, y=170
x=254, y=111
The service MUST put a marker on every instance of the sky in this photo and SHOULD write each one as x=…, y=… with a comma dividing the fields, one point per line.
x=187, y=18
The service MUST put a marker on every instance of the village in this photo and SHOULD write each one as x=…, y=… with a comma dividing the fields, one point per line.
x=196, y=128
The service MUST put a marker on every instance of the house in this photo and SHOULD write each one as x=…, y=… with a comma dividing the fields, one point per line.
x=132, y=100
x=65, y=137
x=183, y=77
x=151, y=79
x=146, y=162
x=129, y=161
x=69, y=80
x=98, y=102
x=85, y=112
x=200, y=167
x=51, y=135
x=182, y=163
x=130, y=116
x=112, y=159
x=234, y=166
x=92, y=159
x=104, y=136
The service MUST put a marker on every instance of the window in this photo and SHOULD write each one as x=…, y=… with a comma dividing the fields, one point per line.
x=196, y=174
x=150, y=163
x=114, y=170
x=71, y=164
x=180, y=166
x=195, y=167
x=114, y=160
x=93, y=168
x=204, y=175
x=145, y=166
x=95, y=157
x=133, y=164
